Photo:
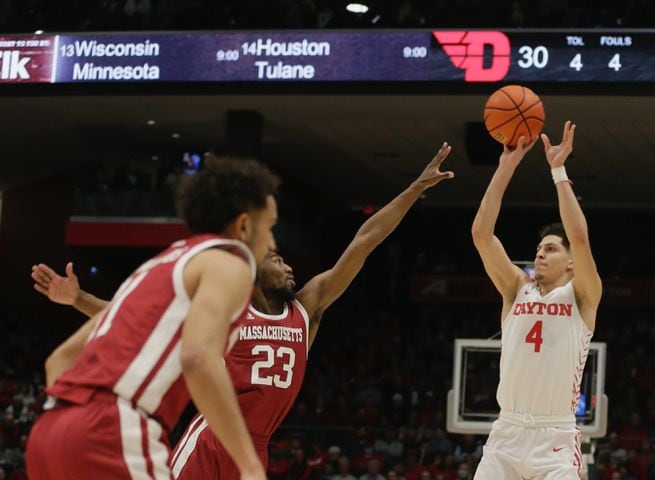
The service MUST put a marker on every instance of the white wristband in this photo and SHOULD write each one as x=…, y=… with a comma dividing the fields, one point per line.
x=559, y=174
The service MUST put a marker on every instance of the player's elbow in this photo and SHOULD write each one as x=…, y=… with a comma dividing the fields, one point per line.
x=60, y=355
x=193, y=358
x=367, y=239
x=51, y=361
x=481, y=236
x=55, y=364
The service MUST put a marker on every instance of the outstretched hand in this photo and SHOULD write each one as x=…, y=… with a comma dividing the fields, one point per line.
x=431, y=175
x=513, y=155
x=556, y=155
x=58, y=289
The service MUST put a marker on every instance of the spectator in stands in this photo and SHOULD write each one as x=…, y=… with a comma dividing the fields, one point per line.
x=392, y=475
x=344, y=470
x=298, y=468
x=467, y=445
x=633, y=434
x=373, y=470
x=388, y=447
x=399, y=413
x=441, y=444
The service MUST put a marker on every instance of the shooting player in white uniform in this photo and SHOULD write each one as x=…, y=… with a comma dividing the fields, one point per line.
x=547, y=324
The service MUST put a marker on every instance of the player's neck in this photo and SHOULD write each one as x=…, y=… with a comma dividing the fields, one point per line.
x=546, y=287
x=266, y=304
x=275, y=307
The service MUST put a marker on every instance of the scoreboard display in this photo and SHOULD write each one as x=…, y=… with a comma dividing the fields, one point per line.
x=517, y=56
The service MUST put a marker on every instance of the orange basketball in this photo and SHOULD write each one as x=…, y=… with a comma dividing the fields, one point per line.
x=514, y=111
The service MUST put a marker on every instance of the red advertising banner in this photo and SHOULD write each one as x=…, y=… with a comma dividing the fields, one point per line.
x=626, y=292
x=124, y=232
x=435, y=288
x=27, y=59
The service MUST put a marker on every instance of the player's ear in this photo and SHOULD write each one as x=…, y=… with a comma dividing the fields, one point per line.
x=569, y=266
x=243, y=226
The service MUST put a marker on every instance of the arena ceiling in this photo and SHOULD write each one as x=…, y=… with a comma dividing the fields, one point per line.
x=356, y=149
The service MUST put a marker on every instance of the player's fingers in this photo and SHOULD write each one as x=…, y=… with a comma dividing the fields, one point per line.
x=69, y=270
x=521, y=143
x=38, y=270
x=546, y=140
x=572, y=133
x=445, y=151
x=40, y=278
x=567, y=127
x=447, y=175
x=40, y=289
x=47, y=270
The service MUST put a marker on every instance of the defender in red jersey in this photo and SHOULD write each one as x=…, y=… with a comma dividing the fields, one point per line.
x=267, y=366
x=268, y=360
x=124, y=378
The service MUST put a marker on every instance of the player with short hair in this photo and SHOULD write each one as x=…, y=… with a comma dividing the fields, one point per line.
x=122, y=380
x=267, y=362
x=547, y=325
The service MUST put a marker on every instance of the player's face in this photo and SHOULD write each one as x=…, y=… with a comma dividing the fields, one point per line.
x=261, y=238
x=276, y=277
x=552, y=259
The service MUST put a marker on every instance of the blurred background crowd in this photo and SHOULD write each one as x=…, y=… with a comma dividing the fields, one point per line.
x=373, y=405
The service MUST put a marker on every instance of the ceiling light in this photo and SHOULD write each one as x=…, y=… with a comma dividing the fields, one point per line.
x=175, y=135
x=151, y=122
x=155, y=157
x=357, y=8
x=38, y=32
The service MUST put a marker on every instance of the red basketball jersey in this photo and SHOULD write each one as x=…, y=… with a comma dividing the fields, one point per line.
x=267, y=365
x=134, y=350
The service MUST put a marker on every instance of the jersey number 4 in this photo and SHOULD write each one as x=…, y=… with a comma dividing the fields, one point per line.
x=289, y=359
x=534, y=336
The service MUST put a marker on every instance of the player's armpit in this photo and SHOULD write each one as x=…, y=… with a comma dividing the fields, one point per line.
x=314, y=324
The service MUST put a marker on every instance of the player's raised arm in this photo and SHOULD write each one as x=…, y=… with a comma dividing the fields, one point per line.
x=505, y=276
x=219, y=285
x=326, y=287
x=65, y=290
x=586, y=281
x=64, y=356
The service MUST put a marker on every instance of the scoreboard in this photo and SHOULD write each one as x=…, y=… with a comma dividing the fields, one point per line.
x=518, y=56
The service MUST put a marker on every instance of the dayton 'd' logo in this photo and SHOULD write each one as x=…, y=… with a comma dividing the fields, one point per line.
x=466, y=51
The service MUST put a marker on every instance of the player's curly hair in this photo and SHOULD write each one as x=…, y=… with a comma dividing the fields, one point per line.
x=558, y=230
x=223, y=189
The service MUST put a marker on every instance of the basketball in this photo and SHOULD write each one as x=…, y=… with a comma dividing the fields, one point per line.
x=514, y=111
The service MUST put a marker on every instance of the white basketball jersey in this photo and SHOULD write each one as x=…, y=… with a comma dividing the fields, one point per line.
x=544, y=350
